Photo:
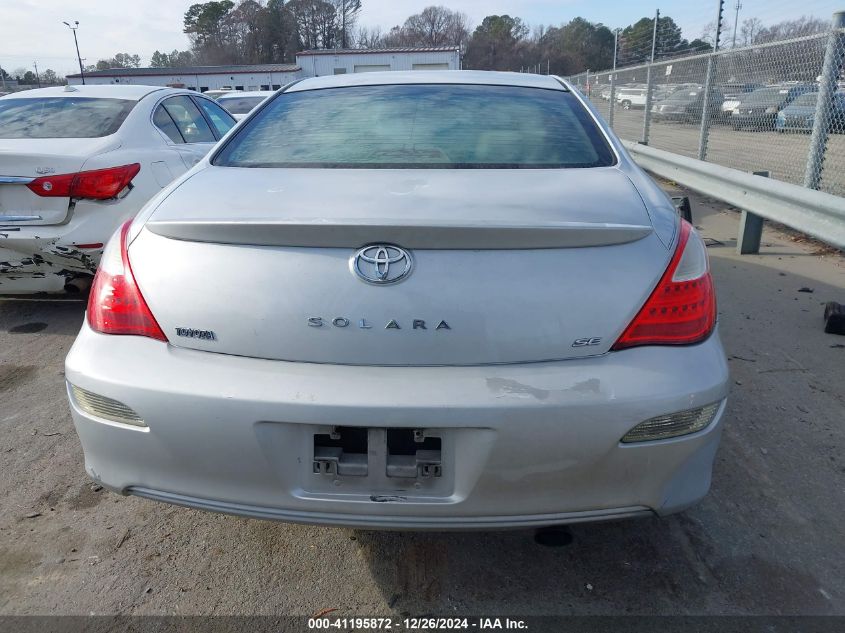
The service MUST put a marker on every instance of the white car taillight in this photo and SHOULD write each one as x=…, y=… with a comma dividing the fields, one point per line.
x=115, y=305
x=664, y=427
x=105, y=408
x=682, y=308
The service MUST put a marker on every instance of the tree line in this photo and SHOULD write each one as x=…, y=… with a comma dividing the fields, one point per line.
x=273, y=31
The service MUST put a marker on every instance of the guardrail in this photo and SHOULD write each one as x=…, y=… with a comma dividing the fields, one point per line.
x=815, y=213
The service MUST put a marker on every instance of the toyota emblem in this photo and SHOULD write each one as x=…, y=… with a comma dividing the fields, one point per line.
x=381, y=264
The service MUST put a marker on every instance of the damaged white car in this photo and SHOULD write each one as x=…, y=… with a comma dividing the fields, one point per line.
x=77, y=162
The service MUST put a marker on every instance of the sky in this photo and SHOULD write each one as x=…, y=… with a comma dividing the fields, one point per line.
x=31, y=31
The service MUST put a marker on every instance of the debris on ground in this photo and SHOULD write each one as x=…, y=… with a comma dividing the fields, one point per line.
x=834, y=318
x=122, y=539
x=806, y=289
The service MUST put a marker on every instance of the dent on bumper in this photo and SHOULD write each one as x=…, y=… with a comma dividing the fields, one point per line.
x=533, y=444
x=41, y=258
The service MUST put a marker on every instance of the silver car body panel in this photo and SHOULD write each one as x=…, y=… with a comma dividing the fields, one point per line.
x=530, y=424
x=527, y=440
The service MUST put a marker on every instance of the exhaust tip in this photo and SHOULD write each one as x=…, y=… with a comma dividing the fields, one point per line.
x=553, y=536
x=78, y=285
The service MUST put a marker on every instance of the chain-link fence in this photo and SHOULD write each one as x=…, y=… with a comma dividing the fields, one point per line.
x=776, y=107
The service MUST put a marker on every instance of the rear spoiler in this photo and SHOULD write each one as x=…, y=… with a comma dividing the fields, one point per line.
x=419, y=234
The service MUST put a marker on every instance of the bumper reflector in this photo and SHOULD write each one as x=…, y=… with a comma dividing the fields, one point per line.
x=105, y=408
x=673, y=424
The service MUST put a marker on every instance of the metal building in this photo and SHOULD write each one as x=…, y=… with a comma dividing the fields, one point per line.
x=314, y=63
x=201, y=78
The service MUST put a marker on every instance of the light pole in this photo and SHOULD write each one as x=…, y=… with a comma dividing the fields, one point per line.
x=75, y=41
x=736, y=20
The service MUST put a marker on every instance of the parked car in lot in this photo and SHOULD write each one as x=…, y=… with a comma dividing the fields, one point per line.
x=799, y=115
x=77, y=162
x=411, y=318
x=733, y=93
x=686, y=105
x=216, y=94
x=239, y=104
x=630, y=98
x=758, y=110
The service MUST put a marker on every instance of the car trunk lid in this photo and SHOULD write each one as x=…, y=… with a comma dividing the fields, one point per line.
x=23, y=160
x=508, y=265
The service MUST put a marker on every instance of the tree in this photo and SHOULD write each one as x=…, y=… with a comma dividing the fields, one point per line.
x=496, y=43
x=369, y=38
x=204, y=22
x=172, y=60
x=433, y=26
x=573, y=47
x=120, y=60
x=49, y=77
x=635, y=40
x=749, y=30
x=791, y=28
x=315, y=22
x=27, y=78
x=347, y=13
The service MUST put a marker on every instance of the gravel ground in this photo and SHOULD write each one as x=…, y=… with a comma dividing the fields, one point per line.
x=767, y=540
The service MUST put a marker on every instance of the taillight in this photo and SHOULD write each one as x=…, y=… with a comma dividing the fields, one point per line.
x=97, y=184
x=115, y=305
x=682, y=308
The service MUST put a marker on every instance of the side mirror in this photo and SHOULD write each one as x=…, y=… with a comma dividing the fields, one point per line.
x=683, y=207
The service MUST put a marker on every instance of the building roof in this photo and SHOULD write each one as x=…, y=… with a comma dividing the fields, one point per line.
x=192, y=70
x=379, y=51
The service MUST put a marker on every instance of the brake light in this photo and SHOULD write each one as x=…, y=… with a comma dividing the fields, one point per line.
x=682, y=308
x=115, y=305
x=97, y=184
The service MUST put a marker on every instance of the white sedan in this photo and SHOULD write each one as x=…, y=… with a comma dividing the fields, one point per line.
x=77, y=162
x=239, y=104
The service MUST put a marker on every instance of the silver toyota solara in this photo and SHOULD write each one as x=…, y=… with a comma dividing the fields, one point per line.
x=440, y=300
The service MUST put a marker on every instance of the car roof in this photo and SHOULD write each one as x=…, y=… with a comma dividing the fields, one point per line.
x=247, y=93
x=478, y=77
x=131, y=93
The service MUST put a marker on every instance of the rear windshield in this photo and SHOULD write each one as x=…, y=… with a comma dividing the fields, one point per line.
x=62, y=117
x=240, y=105
x=420, y=126
x=766, y=95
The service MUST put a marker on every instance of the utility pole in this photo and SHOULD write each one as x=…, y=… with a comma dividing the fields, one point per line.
x=76, y=41
x=736, y=20
x=37, y=76
x=649, y=85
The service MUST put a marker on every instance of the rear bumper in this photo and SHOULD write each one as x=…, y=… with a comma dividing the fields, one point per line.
x=677, y=117
x=523, y=445
x=755, y=121
x=43, y=258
